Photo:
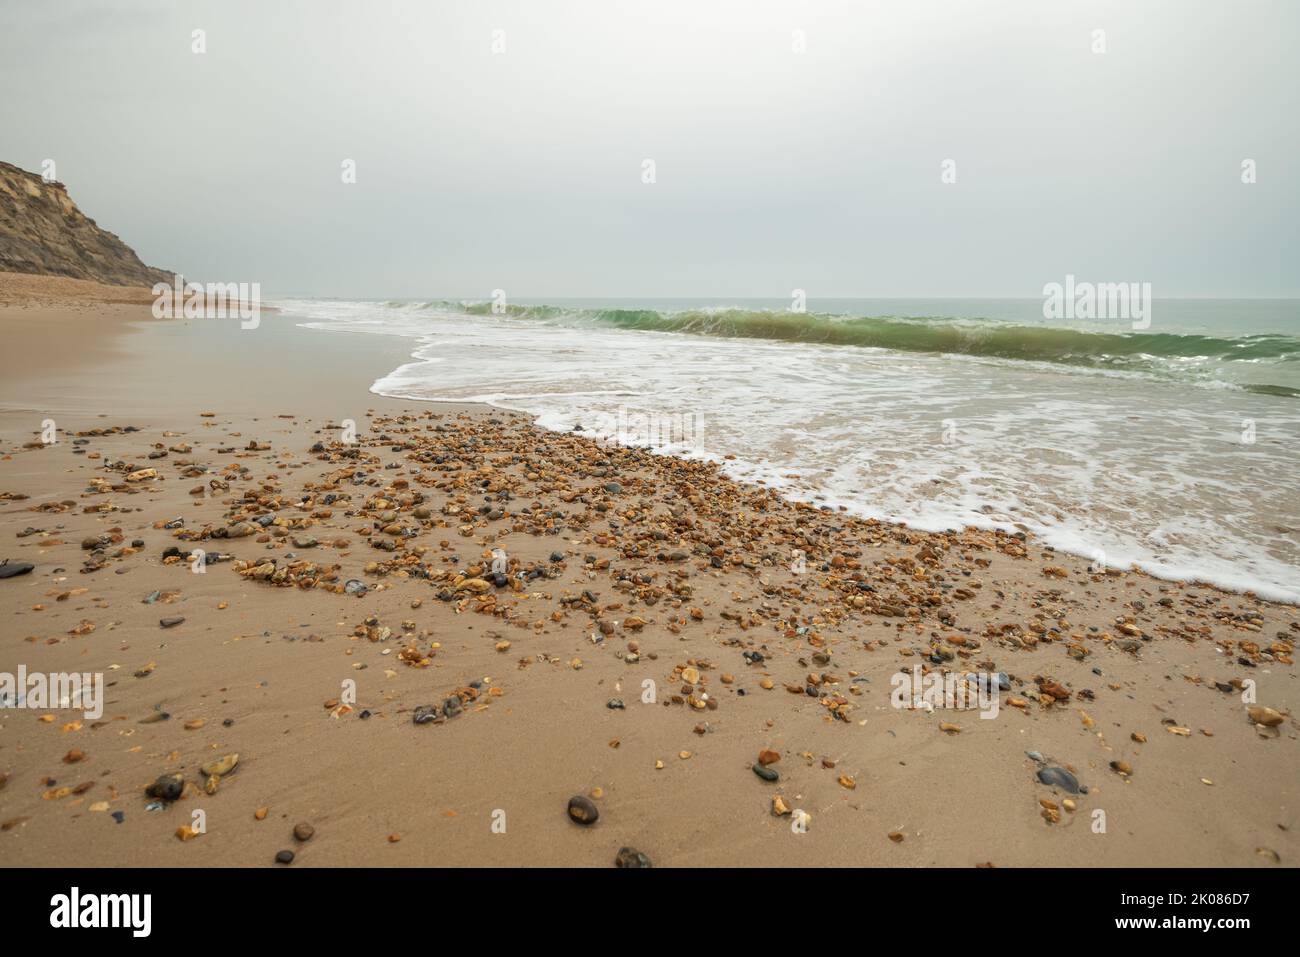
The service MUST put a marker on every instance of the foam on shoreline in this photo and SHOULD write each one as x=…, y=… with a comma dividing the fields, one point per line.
x=1159, y=517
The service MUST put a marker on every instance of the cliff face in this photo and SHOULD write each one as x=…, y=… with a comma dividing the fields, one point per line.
x=43, y=232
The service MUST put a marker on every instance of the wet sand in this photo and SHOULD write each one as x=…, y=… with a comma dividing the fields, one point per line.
x=665, y=572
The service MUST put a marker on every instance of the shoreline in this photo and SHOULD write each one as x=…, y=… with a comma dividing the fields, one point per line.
x=1233, y=582
x=670, y=573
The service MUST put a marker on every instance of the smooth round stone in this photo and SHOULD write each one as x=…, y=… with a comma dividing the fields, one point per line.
x=582, y=810
x=303, y=832
x=284, y=857
x=766, y=773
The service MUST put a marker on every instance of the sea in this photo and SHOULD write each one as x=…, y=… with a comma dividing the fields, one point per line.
x=1171, y=444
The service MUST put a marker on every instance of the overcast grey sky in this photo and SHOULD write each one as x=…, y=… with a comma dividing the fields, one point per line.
x=523, y=169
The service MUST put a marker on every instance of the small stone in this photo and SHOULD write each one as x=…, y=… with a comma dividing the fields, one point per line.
x=168, y=787
x=1059, y=778
x=767, y=756
x=766, y=773
x=631, y=857
x=303, y=832
x=170, y=622
x=10, y=569
x=221, y=767
x=284, y=857
x=1265, y=716
x=582, y=810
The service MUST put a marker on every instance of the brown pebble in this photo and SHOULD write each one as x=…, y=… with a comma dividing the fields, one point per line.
x=303, y=832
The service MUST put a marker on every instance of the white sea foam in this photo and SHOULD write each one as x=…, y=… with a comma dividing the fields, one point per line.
x=1101, y=463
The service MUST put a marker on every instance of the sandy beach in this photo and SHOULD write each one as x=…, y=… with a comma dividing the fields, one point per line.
x=566, y=618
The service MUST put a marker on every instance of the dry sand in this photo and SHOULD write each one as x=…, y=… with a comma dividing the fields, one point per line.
x=259, y=670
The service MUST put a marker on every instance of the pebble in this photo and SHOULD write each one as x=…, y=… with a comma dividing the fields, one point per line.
x=284, y=857
x=427, y=713
x=630, y=857
x=168, y=787
x=1265, y=716
x=766, y=773
x=1059, y=778
x=582, y=810
x=303, y=832
x=170, y=622
x=10, y=569
x=221, y=767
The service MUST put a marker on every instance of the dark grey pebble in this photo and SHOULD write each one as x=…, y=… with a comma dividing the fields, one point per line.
x=582, y=810
x=167, y=787
x=284, y=857
x=1059, y=778
x=766, y=773
x=10, y=569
